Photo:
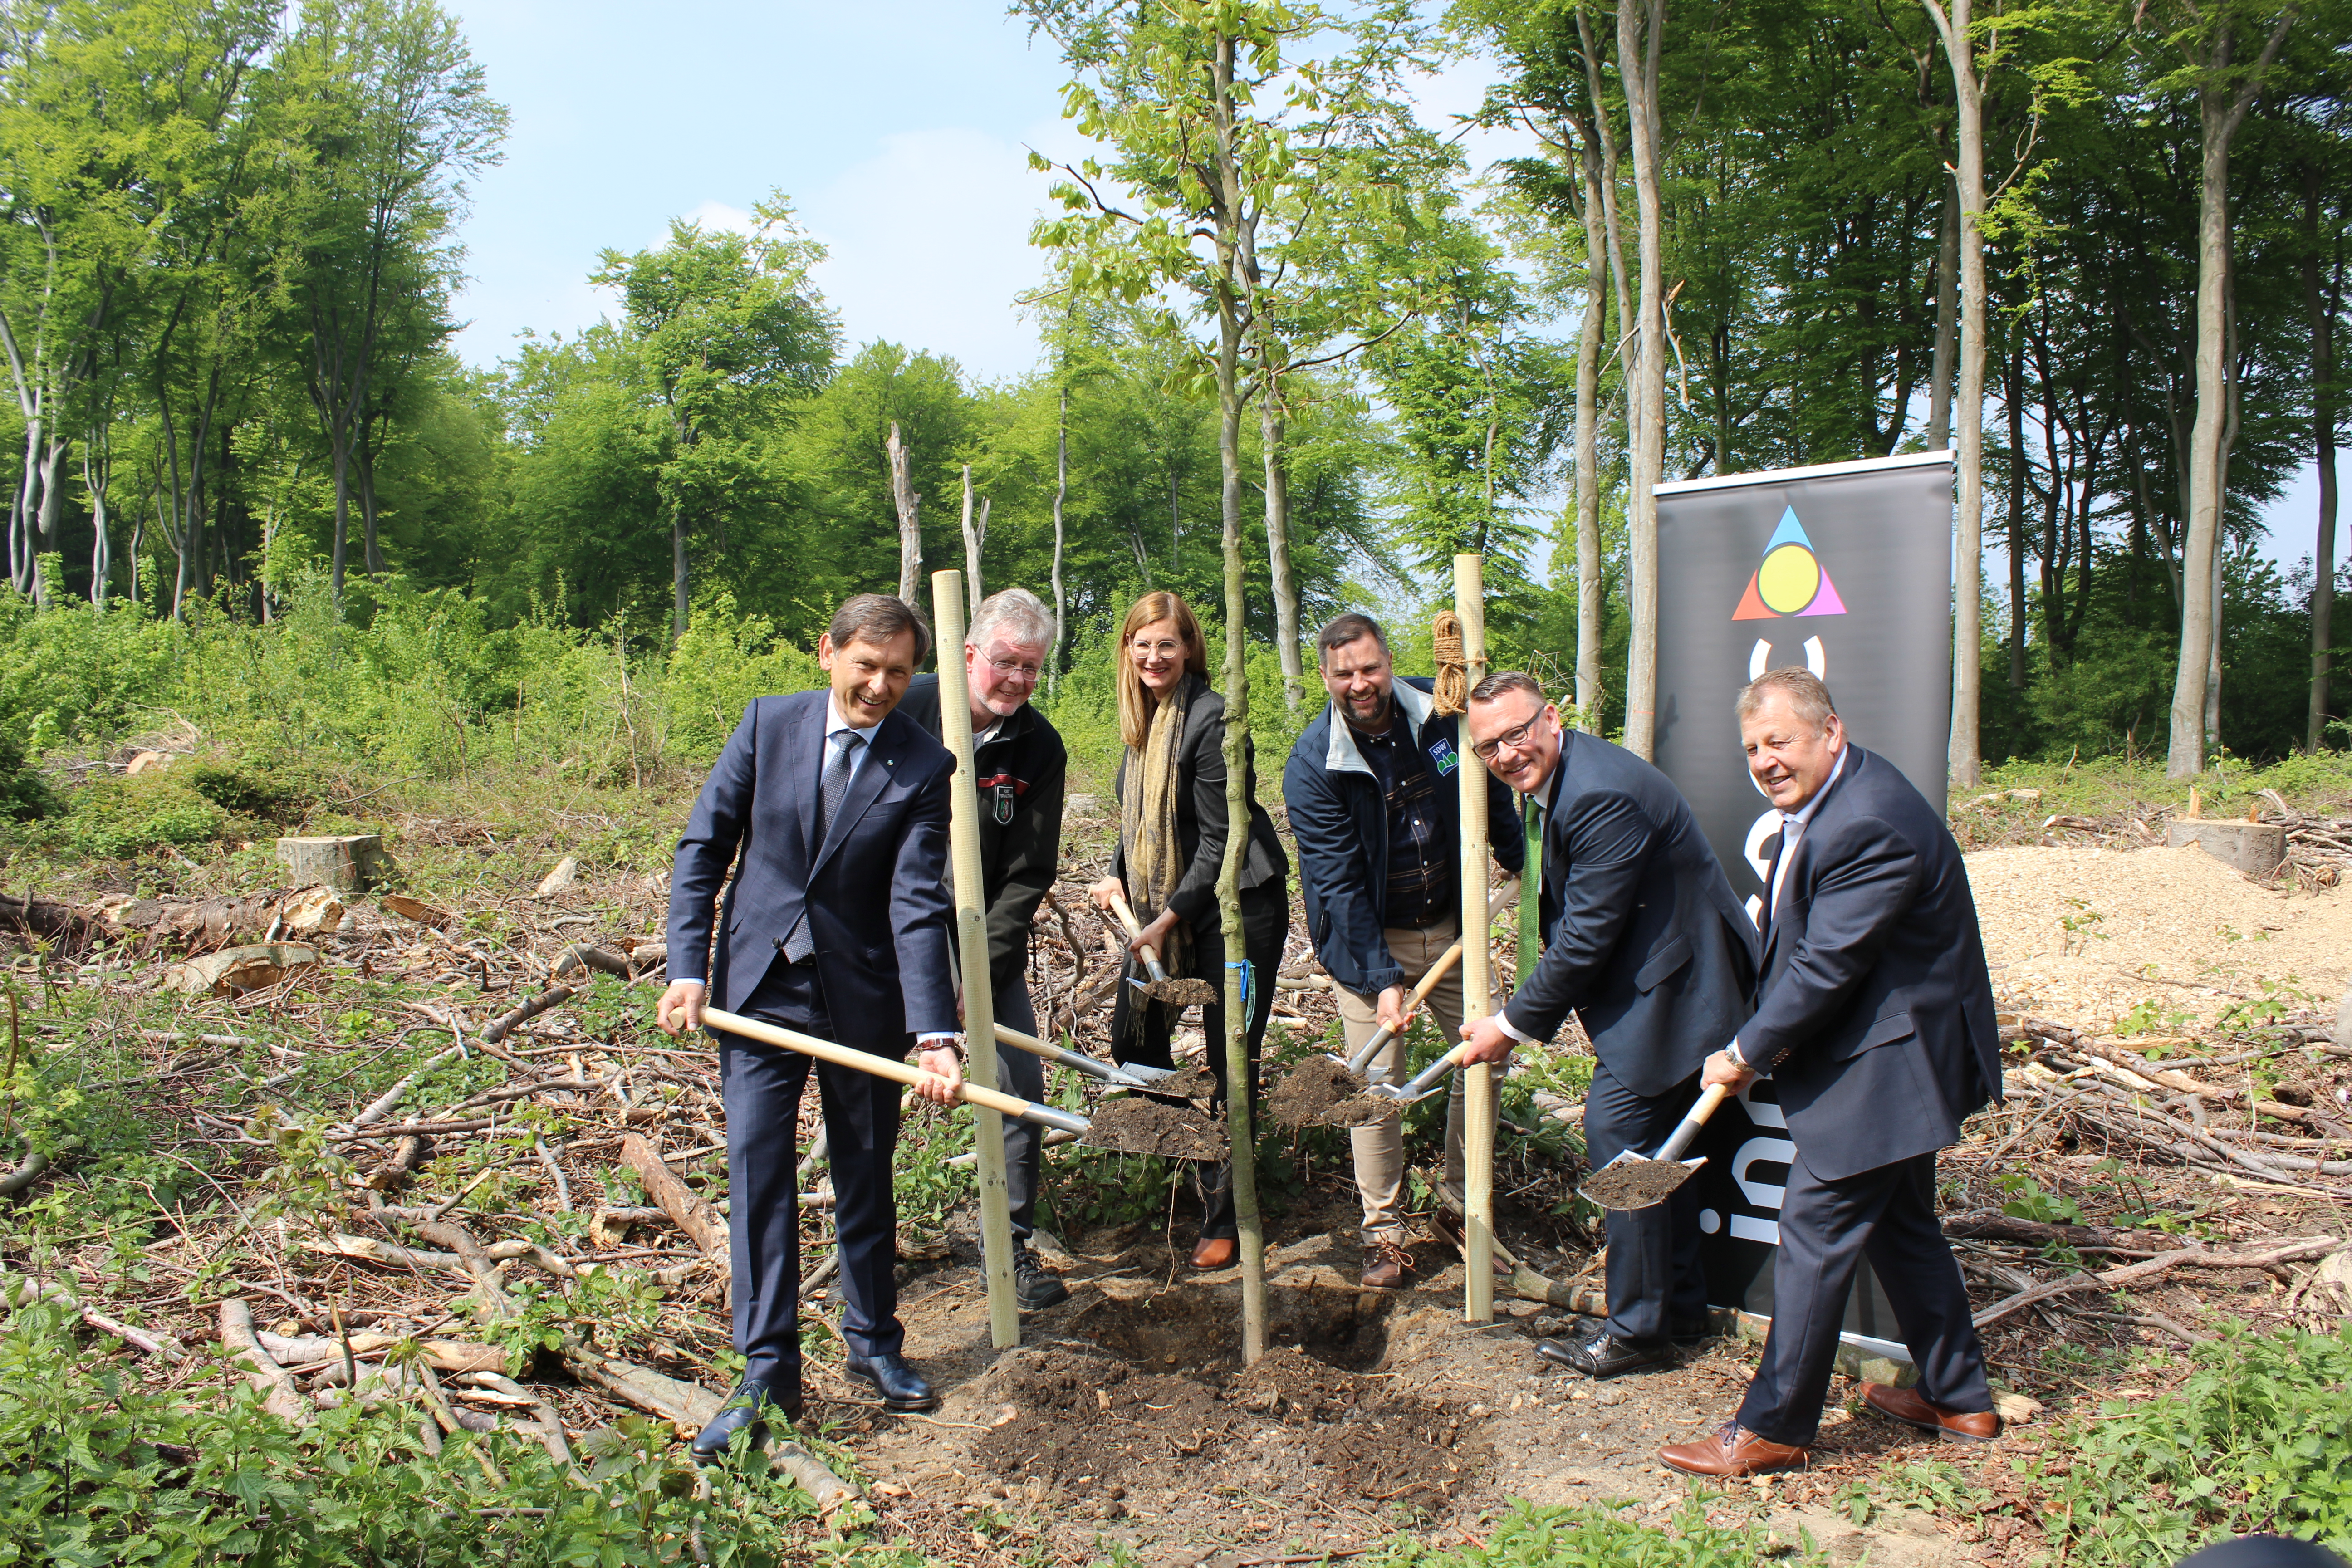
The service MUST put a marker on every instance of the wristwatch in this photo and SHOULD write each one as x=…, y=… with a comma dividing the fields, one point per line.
x=1742, y=1063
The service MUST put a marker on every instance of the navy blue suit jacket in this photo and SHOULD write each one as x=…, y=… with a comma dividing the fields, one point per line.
x=878, y=911
x=1875, y=1015
x=1643, y=939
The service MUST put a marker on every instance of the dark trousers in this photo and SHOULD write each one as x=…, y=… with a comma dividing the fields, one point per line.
x=1887, y=1215
x=1018, y=1072
x=1265, y=921
x=1655, y=1283
x=762, y=1086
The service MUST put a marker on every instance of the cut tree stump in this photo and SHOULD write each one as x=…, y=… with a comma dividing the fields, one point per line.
x=2257, y=849
x=347, y=864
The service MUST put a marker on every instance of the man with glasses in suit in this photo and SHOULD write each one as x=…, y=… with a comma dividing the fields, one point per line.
x=1646, y=943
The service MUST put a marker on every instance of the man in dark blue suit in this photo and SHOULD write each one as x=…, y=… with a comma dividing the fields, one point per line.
x=1875, y=1021
x=836, y=925
x=1646, y=943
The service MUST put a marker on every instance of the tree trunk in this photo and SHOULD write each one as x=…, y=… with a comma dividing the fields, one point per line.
x=96, y=471
x=2219, y=113
x=677, y=583
x=1589, y=604
x=1638, y=40
x=2321, y=303
x=340, y=454
x=911, y=516
x=1967, y=758
x=2015, y=398
x=1611, y=226
x=1947, y=303
x=1061, y=493
x=974, y=536
x=45, y=533
x=1233, y=246
x=1271, y=430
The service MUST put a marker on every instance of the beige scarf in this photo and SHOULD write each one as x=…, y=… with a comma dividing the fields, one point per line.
x=1148, y=839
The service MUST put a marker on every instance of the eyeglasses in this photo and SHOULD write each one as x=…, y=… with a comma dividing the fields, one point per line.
x=1013, y=669
x=1516, y=738
x=1164, y=649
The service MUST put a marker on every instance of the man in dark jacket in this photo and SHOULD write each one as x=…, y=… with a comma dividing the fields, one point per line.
x=834, y=925
x=1646, y=943
x=1874, y=1019
x=1375, y=803
x=1018, y=764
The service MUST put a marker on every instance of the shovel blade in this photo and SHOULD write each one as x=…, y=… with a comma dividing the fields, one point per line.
x=1629, y=1182
x=1181, y=992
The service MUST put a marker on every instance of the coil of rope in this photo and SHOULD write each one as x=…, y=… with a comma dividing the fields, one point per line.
x=1453, y=684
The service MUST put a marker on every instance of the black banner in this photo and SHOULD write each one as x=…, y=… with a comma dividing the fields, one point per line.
x=1846, y=569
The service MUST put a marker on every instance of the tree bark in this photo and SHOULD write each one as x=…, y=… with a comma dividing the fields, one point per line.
x=2321, y=301
x=1589, y=605
x=1235, y=244
x=2015, y=398
x=2219, y=113
x=1272, y=429
x=974, y=536
x=1947, y=303
x=911, y=516
x=1061, y=493
x=1967, y=758
x=1640, y=25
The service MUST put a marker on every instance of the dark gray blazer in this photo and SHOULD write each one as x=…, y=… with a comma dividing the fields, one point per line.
x=1643, y=939
x=872, y=890
x=1201, y=816
x=1875, y=1015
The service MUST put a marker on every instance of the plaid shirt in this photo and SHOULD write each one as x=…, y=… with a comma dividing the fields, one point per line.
x=1420, y=876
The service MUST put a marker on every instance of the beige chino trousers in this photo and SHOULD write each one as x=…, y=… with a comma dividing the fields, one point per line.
x=1380, y=1148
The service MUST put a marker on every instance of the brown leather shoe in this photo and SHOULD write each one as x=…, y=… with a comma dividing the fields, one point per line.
x=1385, y=1265
x=1214, y=1252
x=1448, y=1227
x=1906, y=1405
x=1733, y=1452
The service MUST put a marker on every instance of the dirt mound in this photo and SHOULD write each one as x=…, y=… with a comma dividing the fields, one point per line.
x=1080, y=1417
x=2085, y=936
x=1320, y=1092
x=1148, y=1127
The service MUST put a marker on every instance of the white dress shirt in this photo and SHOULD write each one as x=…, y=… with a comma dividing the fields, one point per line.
x=1793, y=832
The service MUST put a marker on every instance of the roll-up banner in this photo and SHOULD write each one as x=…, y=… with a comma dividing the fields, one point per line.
x=1847, y=570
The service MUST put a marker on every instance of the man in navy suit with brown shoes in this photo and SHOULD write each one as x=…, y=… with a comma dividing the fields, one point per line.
x=1874, y=1018
x=836, y=925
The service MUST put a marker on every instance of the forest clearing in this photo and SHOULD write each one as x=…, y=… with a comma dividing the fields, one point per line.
x=447, y=1136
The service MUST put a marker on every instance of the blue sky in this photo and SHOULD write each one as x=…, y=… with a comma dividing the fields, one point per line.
x=898, y=128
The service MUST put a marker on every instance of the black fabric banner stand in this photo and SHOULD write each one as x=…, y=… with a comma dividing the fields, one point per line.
x=1847, y=569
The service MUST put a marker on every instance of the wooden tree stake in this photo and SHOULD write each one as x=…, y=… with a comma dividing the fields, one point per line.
x=971, y=931
x=1477, y=982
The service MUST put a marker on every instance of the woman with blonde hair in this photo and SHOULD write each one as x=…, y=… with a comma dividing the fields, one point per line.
x=1173, y=830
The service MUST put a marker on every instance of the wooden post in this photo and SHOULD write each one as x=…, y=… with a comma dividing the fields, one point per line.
x=971, y=931
x=1477, y=982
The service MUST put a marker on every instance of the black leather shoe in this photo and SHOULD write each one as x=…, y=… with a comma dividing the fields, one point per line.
x=1695, y=1331
x=1605, y=1355
x=902, y=1388
x=1035, y=1287
x=754, y=1403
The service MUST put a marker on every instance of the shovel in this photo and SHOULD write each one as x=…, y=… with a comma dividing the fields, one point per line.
x=1362, y=1059
x=1119, y=1075
x=1631, y=1181
x=1152, y=1131
x=1175, y=993
x=1421, y=1085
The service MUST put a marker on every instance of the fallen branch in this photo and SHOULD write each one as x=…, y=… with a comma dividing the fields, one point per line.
x=499, y=1028
x=162, y=1346
x=284, y=1400
x=2258, y=1257
x=685, y=1207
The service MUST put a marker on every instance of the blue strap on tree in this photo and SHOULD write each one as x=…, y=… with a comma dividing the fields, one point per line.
x=1243, y=965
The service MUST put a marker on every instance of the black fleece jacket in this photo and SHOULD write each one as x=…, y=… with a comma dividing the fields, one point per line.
x=1021, y=775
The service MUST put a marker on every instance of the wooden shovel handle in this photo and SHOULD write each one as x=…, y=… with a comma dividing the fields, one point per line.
x=1420, y=990
x=850, y=1057
x=1695, y=1119
x=1135, y=927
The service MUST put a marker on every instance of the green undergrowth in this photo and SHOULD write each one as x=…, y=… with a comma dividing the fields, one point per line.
x=2256, y=1438
x=96, y=1468
x=2319, y=784
x=1602, y=1535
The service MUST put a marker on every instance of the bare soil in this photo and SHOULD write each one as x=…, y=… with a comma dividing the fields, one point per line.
x=1148, y=1127
x=1635, y=1185
x=1320, y=1092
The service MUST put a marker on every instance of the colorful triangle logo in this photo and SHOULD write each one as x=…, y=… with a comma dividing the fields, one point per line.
x=1791, y=580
